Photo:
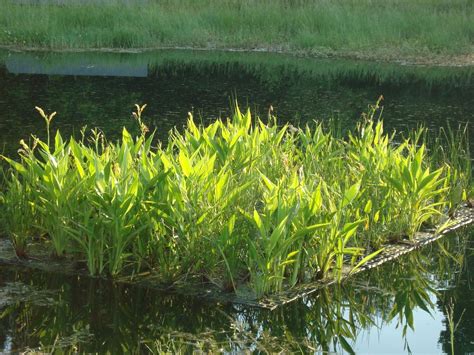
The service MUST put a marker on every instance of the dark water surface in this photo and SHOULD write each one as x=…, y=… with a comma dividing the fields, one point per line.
x=398, y=308
x=100, y=90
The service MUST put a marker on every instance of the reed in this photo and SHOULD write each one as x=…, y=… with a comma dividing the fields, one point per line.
x=240, y=203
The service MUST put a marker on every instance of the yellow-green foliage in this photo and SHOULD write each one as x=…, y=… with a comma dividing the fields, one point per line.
x=238, y=202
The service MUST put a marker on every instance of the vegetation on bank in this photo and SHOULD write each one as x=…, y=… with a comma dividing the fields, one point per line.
x=366, y=28
x=237, y=203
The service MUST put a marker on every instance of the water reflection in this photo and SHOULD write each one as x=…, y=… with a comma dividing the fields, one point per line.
x=376, y=313
x=30, y=63
x=399, y=307
x=99, y=90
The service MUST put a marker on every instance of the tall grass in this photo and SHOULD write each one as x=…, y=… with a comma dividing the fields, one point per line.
x=395, y=27
x=239, y=202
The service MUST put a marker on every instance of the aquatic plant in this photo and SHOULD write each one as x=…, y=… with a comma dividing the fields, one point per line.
x=239, y=203
x=16, y=222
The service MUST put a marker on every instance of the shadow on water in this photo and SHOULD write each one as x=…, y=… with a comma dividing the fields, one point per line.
x=401, y=305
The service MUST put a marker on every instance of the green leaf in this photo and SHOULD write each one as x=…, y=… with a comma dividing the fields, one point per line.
x=167, y=164
x=420, y=302
x=202, y=218
x=368, y=207
x=277, y=235
x=58, y=142
x=316, y=200
x=280, y=135
x=221, y=182
x=270, y=185
x=365, y=260
x=292, y=254
x=257, y=219
x=185, y=164
x=17, y=166
x=235, y=193
x=345, y=345
x=126, y=137
x=396, y=184
x=79, y=168
x=350, y=194
x=287, y=262
x=349, y=229
x=407, y=177
x=310, y=229
x=430, y=179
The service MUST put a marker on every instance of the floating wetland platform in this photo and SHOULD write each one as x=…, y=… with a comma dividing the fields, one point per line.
x=41, y=260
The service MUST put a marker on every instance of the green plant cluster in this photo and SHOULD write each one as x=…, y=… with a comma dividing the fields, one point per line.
x=236, y=203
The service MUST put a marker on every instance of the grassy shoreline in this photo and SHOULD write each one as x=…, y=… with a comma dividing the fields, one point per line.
x=424, y=32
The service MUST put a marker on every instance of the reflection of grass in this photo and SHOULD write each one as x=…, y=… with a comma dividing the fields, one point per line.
x=238, y=203
x=452, y=325
x=266, y=67
x=398, y=27
x=90, y=316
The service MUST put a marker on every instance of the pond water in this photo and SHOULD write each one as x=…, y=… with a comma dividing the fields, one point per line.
x=398, y=308
x=100, y=90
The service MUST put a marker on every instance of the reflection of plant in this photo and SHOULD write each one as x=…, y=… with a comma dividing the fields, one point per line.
x=414, y=291
x=455, y=284
x=400, y=288
x=451, y=324
x=336, y=317
x=89, y=315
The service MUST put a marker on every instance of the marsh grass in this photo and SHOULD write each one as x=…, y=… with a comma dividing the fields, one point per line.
x=397, y=27
x=239, y=203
